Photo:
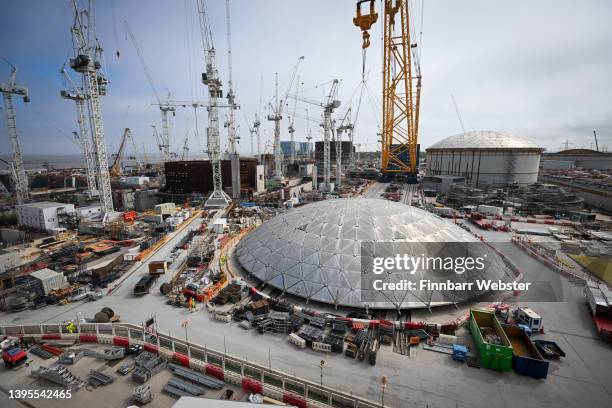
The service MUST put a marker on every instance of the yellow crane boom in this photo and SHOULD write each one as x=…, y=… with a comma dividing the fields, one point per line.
x=401, y=84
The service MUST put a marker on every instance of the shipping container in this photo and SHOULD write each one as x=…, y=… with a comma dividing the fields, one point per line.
x=493, y=345
x=49, y=279
x=526, y=359
x=490, y=210
x=158, y=267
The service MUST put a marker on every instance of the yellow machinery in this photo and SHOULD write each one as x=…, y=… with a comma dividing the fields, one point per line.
x=115, y=169
x=401, y=84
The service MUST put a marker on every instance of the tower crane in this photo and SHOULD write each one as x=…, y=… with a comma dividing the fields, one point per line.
x=210, y=78
x=185, y=148
x=75, y=93
x=328, y=106
x=257, y=123
x=232, y=135
x=87, y=61
x=164, y=108
x=401, y=84
x=115, y=170
x=9, y=89
x=11, y=167
x=308, y=132
x=346, y=125
x=292, y=122
x=276, y=116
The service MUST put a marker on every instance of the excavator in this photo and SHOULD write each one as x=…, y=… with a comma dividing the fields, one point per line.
x=115, y=168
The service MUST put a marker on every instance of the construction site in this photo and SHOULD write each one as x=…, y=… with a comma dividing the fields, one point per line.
x=224, y=267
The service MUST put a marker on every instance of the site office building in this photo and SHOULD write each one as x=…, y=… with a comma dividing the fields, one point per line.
x=42, y=216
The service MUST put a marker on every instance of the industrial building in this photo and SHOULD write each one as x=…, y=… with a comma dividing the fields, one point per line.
x=581, y=158
x=346, y=149
x=485, y=157
x=314, y=252
x=302, y=149
x=42, y=215
x=195, y=176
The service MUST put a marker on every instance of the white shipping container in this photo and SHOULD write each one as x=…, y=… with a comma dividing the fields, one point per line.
x=49, y=279
x=490, y=210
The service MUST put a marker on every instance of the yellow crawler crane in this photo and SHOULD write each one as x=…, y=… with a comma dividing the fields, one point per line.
x=401, y=85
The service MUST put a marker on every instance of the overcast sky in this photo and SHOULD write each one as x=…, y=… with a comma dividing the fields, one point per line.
x=540, y=69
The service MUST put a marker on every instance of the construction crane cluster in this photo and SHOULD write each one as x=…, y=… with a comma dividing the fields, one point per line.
x=87, y=62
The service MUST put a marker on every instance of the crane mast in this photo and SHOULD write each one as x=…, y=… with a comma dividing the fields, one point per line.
x=257, y=122
x=401, y=85
x=232, y=135
x=210, y=79
x=76, y=94
x=292, y=122
x=9, y=89
x=87, y=62
x=329, y=105
x=276, y=116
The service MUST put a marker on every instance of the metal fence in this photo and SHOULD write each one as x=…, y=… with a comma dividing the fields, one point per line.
x=313, y=393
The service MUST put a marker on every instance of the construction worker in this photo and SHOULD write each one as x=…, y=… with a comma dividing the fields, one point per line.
x=71, y=327
x=192, y=305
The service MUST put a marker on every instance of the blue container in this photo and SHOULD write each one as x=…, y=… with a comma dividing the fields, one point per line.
x=459, y=352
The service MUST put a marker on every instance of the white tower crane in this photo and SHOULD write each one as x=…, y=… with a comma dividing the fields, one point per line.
x=210, y=79
x=9, y=89
x=292, y=122
x=328, y=106
x=75, y=93
x=88, y=54
x=257, y=123
x=276, y=116
x=164, y=108
x=232, y=135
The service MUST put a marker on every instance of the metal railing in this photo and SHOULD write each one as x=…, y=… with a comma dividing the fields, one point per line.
x=273, y=380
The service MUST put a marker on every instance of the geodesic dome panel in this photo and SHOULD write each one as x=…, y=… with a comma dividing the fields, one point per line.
x=314, y=251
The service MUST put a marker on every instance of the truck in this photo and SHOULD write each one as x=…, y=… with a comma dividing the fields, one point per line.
x=599, y=297
x=143, y=285
x=158, y=267
x=12, y=354
x=526, y=359
x=491, y=210
x=528, y=317
x=493, y=345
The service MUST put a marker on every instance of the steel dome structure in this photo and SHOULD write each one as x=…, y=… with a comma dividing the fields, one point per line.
x=313, y=251
x=485, y=157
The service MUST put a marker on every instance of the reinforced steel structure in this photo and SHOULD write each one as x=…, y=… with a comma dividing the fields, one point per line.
x=75, y=93
x=210, y=78
x=9, y=89
x=87, y=62
x=401, y=84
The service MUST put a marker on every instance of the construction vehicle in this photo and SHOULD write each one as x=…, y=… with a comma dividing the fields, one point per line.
x=401, y=85
x=529, y=318
x=12, y=353
x=115, y=169
x=144, y=284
